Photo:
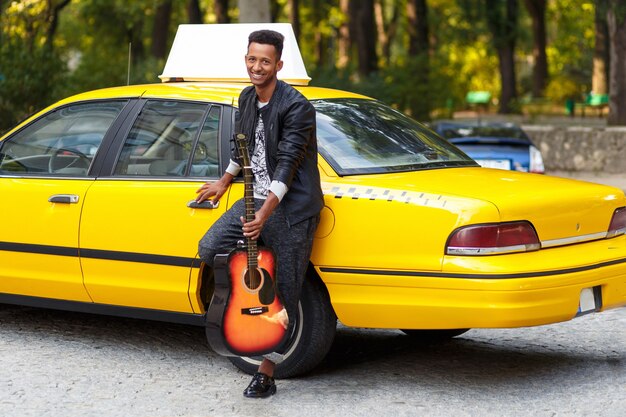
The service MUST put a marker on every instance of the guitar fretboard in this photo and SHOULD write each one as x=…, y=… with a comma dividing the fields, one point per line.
x=248, y=178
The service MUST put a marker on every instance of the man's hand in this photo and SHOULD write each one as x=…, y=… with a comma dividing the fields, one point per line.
x=214, y=189
x=252, y=230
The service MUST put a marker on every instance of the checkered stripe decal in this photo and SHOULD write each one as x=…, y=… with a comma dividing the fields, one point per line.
x=384, y=194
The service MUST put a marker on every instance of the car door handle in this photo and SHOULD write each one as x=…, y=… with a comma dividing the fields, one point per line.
x=64, y=198
x=207, y=204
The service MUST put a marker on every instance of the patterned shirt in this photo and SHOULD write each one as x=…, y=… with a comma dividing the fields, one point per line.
x=259, y=163
x=262, y=182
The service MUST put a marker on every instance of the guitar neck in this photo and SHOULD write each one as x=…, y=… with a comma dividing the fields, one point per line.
x=248, y=177
x=252, y=249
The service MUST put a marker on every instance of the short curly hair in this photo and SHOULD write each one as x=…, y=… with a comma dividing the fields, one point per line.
x=268, y=37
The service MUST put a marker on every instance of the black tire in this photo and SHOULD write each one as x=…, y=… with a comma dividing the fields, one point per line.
x=434, y=335
x=313, y=334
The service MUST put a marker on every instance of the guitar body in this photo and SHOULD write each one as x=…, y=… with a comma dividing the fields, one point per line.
x=242, y=317
x=246, y=316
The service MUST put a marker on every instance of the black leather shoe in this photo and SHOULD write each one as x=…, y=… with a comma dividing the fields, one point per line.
x=261, y=386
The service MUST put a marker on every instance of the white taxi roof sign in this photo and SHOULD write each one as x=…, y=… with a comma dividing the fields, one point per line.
x=215, y=52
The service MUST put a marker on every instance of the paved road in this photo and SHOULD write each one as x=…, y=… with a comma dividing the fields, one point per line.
x=69, y=364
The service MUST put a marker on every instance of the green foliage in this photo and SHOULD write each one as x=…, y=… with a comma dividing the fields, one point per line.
x=570, y=50
x=406, y=86
x=90, y=50
x=99, y=50
x=30, y=81
x=30, y=71
x=562, y=88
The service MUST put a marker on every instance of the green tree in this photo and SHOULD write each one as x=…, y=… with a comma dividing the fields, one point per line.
x=31, y=70
x=383, y=48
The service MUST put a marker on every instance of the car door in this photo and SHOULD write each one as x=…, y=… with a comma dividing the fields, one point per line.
x=139, y=238
x=45, y=172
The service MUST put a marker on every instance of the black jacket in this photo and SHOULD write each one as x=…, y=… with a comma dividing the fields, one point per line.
x=291, y=146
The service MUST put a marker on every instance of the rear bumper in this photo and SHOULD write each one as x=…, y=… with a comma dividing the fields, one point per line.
x=405, y=299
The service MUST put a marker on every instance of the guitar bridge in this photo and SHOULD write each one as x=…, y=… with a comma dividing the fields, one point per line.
x=254, y=311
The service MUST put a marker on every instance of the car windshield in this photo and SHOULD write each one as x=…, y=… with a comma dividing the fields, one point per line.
x=360, y=136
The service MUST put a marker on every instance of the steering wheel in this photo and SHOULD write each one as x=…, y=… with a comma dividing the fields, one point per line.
x=82, y=160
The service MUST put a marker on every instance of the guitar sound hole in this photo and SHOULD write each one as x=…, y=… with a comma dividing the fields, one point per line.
x=253, y=279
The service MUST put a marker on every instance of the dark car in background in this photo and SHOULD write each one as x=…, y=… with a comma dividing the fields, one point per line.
x=494, y=145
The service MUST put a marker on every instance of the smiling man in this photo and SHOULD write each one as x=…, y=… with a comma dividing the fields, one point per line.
x=280, y=125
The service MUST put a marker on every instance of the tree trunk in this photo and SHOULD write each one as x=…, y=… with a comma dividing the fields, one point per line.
x=417, y=14
x=506, y=58
x=294, y=17
x=136, y=40
x=364, y=35
x=53, y=21
x=254, y=11
x=503, y=26
x=194, y=14
x=161, y=29
x=344, y=41
x=537, y=10
x=321, y=40
x=275, y=10
x=387, y=29
x=220, y=7
x=616, y=20
x=418, y=100
x=599, y=80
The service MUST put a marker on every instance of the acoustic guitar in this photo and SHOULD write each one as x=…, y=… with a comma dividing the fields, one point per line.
x=245, y=316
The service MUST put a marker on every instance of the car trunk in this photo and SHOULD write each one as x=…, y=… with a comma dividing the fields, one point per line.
x=563, y=211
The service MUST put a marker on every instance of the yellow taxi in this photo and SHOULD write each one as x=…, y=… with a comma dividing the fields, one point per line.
x=99, y=216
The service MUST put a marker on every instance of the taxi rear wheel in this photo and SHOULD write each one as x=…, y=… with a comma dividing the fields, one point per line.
x=433, y=335
x=312, y=337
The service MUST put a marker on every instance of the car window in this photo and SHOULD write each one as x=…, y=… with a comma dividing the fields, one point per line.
x=162, y=139
x=205, y=161
x=365, y=136
x=61, y=143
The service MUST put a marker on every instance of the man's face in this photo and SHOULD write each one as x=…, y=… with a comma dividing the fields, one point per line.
x=262, y=64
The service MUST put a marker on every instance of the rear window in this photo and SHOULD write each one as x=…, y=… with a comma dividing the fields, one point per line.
x=358, y=136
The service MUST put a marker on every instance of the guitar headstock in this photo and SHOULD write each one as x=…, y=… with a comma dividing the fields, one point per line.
x=242, y=147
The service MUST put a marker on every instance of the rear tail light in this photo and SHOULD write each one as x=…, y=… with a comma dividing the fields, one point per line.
x=618, y=223
x=493, y=239
x=536, y=161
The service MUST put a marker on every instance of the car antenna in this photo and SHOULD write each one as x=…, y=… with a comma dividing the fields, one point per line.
x=130, y=48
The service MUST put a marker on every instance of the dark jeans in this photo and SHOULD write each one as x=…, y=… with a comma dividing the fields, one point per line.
x=292, y=247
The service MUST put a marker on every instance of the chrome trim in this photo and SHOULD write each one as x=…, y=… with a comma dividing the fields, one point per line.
x=617, y=232
x=159, y=179
x=573, y=239
x=50, y=177
x=463, y=251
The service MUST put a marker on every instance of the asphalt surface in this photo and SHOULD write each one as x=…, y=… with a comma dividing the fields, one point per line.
x=69, y=364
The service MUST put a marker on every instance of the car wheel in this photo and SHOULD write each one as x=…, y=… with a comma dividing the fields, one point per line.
x=312, y=337
x=434, y=335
